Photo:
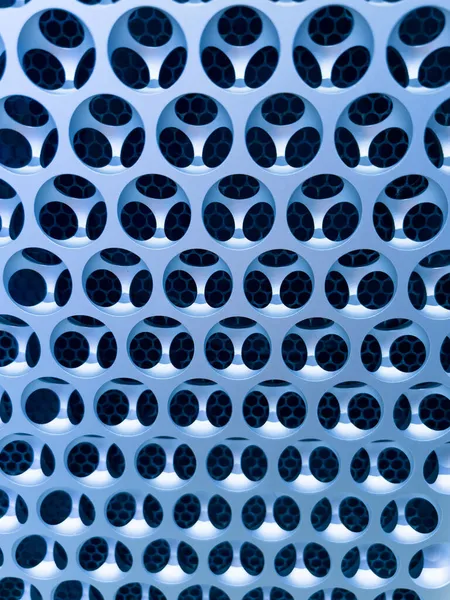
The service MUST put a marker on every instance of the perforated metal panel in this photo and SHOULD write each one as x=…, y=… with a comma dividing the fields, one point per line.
x=224, y=335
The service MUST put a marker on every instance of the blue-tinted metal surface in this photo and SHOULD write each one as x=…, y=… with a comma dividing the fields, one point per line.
x=224, y=338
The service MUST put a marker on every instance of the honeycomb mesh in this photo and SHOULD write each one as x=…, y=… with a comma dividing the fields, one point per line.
x=225, y=300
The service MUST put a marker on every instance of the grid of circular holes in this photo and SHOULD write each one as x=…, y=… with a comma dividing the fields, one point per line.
x=260, y=224
x=394, y=465
x=85, y=458
x=418, y=50
x=198, y=282
x=157, y=554
x=61, y=28
x=238, y=211
x=33, y=550
x=184, y=462
x=278, y=282
x=117, y=281
x=407, y=353
x=295, y=133
x=286, y=513
x=122, y=507
x=57, y=507
x=113, y=406
x=93, y=141
x=93, y=553
x=145, y=350
x=157, y=342
x=421, y=515
x=53, y=405
x=70, y=210
x=274, y=397
x=254, y=463
x=83, y=344
x=250, y=556
x=324, y=464
x=253, y=58
x=331, y=25
x=147, y=49
x=324, y=211
x=315, y=559
x=240, y=26
x=349, y=404
x=382, y=146
x=28, y=458
x=291, y=410
x=427, y=403
x=56, y=50
x=199, y=404
x=434, y=412
x=329, y=411
x=151, y=461
x=348, y=42
x=219, y=462
x=18, y=153
x=16, y=457
x=148, y=220
x=428, y=285
x=15, y=333
x=410, y=211
x=403, y=341
x=186, y=511
x=150, y=27
x=364, y=411
x=184, y=408
x=37, y=281
x=237, y=347
x=310, y=337
x=380, y=560
x=418, y=513
x=352, y=512
x=253, y=513
x=369, y=275
x=211, y=139
x=72, y=350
